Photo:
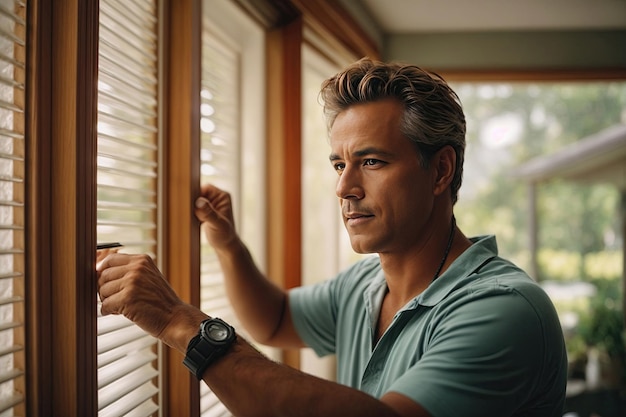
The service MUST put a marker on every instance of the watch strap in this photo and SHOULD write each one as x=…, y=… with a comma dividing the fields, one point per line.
x=201, y=353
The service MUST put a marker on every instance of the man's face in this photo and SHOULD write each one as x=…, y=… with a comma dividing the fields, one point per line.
x=385, y=195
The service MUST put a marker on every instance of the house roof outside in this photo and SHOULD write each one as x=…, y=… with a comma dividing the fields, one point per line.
x=599, y=158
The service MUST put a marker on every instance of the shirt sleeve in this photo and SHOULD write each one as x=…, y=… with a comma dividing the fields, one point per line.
x=313, y=312
x=487, y=357
x=315, y=308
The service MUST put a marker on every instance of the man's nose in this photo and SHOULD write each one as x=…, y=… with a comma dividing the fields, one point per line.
x=349, y=184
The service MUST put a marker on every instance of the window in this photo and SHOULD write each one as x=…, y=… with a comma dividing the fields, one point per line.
x=324, y=249
x=559, y=221
x=118, y=177
x=12, y=170
x=127, y=192
x=231, y=148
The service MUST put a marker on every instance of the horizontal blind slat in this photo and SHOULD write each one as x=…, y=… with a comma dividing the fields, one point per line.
x=125, y=122
x=127, y=103
x=11, y=300
x=10, y=13
x=120, y=390
x=133, y=400
x=122, y=189
x=113, y=354
x=7, y=375
x=14, y=274
x=118, y=338
x=128, y=159
x=7, y=325
x=145, y=409
x=7, y=350
x=129, y=363
x=8, y=105
x=124, y=142
x=11, y=401
x=117, y=205
x=11, y=134
x=109, y=323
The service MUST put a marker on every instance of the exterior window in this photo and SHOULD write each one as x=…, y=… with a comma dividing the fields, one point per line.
x=545, y=172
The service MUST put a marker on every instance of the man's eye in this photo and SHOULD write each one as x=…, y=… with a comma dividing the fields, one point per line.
x=339, y=166
x=371, y=162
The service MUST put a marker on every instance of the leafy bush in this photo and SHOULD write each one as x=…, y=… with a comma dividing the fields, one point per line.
x=564, y=265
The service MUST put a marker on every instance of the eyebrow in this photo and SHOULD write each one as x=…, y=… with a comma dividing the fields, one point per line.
x=361, y=153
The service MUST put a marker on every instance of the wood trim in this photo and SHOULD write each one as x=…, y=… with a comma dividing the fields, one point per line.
x=608, y=74
x=327, y=18
x=284, y=110
x=332, y=22
x=38, y=216
x=74, y=69
x=182, y=184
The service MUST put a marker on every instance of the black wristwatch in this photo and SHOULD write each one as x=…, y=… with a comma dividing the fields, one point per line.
x=212, y=341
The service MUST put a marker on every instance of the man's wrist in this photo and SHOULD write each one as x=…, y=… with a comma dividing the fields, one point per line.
x=183, y=327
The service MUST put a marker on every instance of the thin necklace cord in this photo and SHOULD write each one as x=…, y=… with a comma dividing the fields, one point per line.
x=447, y=252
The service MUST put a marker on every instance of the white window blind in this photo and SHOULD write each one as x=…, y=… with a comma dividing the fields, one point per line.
x=128, y=359
x=232, y=148
x=219, y=164
x=12, y=170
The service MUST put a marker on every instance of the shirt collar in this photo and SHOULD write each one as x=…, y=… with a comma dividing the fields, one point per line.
x=482, y=250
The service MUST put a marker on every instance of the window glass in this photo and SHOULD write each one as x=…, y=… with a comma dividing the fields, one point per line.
x=518, y=185
x=325, y=250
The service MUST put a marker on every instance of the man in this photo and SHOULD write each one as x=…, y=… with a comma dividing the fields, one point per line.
x=435, y=325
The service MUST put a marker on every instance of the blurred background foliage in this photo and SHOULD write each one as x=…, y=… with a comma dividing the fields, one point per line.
x=580, y=233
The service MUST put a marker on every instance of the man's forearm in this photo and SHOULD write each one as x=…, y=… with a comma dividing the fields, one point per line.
x=251, y=385
x=259, y=303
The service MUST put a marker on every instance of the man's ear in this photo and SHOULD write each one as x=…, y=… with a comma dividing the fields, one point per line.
x=443, y=164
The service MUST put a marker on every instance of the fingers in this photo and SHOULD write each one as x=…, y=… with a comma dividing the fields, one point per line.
x=103, y=253
x=112, y=259
x=204, y=211
x=215, y=209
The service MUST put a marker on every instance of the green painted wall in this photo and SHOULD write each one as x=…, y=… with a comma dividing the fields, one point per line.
x=510, y=50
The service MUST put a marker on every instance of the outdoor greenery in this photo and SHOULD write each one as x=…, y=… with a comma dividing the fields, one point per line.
x=580, y=238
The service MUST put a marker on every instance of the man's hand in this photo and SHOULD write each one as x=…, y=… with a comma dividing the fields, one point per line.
x=132, y=285
x=214, y=209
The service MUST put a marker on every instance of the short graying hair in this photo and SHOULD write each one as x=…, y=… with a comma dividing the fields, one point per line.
x=433, y=116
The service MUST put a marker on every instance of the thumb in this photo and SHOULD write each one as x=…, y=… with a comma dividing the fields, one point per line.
x=204, y=210
x=207, y=211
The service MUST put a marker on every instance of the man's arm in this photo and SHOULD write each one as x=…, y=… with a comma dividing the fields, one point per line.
x=261, y=306
x=248, y=383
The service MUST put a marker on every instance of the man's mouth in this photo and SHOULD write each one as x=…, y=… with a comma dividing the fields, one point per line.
x=354, y=219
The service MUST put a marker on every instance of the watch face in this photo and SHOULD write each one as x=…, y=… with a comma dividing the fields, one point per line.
x=217, y=332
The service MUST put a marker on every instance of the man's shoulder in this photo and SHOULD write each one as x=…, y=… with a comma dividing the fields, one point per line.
x=368, y=266
x=359, y=276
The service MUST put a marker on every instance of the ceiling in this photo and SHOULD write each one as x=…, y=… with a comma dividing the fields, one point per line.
x=413, y=16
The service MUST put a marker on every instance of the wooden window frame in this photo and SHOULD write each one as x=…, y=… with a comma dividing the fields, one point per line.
x=61, y=188
x=61, y=173
x=181, y=116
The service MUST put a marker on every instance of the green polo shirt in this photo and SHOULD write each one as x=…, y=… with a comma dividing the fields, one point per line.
x=482, y=340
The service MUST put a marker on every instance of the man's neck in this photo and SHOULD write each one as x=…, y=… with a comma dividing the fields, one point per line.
x=409, y=273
